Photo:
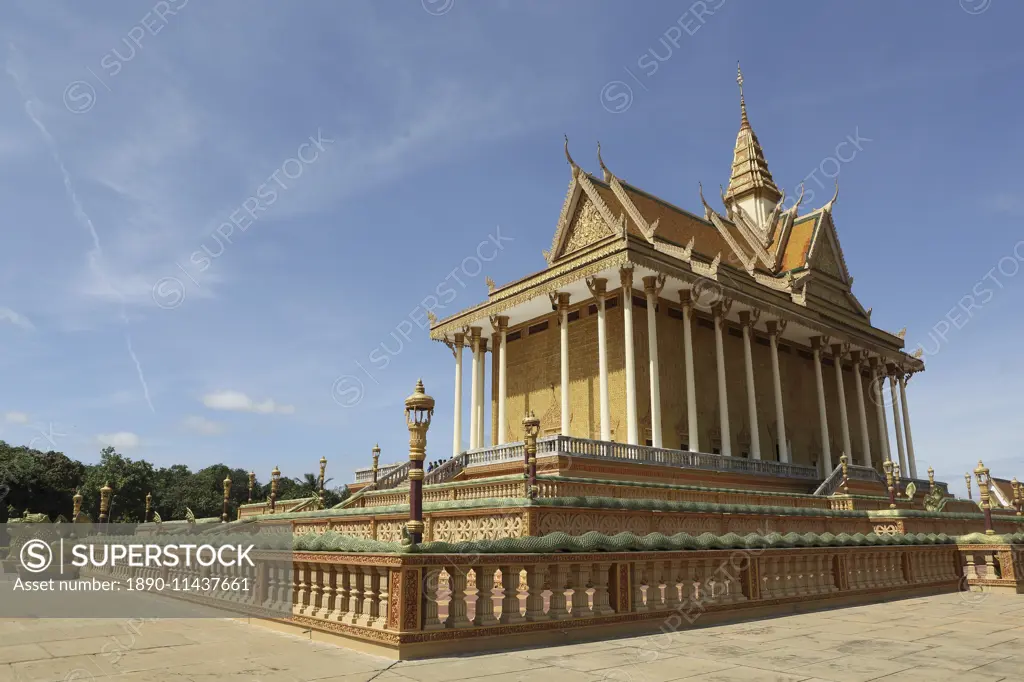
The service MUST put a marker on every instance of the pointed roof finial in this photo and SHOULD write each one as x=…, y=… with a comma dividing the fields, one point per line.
x=604, y=168
x=568, y=156
x=744, y=122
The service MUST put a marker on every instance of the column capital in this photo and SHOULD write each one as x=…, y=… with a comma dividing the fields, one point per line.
x=474, y=334
x=626, y=277
x=654, y=284
x=483, y=344
x=559, y=301
x=749, y=318
x=840, y=350
x=597, y=286
x=776, y=327
x=721, y=308
x=460, y=338
x=857, y=356
x=500, y=322
x=818, y=343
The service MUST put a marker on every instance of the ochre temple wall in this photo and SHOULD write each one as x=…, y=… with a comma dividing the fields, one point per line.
x=534, y=384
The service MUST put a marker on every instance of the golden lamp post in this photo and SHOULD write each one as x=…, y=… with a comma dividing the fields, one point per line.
x=931, y=479
x=77, y=500
x=887, y=466
x=376, y=460
x=252, y=484
x=531, y=427
x=323, y=473
x=981, y=472
x=419, y=409
x=967, y=479
x=275, y=476
x=105, y=493
x=1018, y=496
x=227, y=499
x=149, y=505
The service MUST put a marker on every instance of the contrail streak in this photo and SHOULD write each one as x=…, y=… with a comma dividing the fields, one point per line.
x=95, y=255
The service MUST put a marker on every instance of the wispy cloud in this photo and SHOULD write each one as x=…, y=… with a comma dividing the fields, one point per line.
x=17, y=319
x=95, y=255
x=121, y=440
x=203, y=426
x=16, y=417
x=235, y=401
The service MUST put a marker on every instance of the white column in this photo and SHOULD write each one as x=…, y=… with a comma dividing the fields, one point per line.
x=747, y=321
x=723, y=399
x=652, y=289
x=598, y=288
x=692, y=429
x=502, y=378
x=775, y=329
x=563, y=321
x=844, y=422
x=899, y=427
x=626, y=278
x=826, y=450
x=474, y=388
x=878, y=395
x=906, y=426
x=460, y=340
x=861, y=412
x=482, y=404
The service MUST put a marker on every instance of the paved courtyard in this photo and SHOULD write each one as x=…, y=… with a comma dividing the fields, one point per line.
x=967, y=638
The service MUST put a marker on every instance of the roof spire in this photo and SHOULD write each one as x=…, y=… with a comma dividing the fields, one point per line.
x=744, y=121
x=750, y=174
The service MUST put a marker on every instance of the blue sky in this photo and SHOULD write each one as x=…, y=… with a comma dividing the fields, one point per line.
x=131, y=132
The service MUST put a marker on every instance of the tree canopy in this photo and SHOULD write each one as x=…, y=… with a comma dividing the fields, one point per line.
x=45, y=482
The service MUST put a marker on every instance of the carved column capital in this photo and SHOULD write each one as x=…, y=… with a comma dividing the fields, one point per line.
x=776, y=328
x=598, y=286
x=500, y=322
x=749, y=318
x=626, y=277
x=654, y=284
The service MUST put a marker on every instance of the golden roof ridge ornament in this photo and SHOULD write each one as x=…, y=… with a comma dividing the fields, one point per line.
x=604, y=169
x=744, y=121
x=568, y=157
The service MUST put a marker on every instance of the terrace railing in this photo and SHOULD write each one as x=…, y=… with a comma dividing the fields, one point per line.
x=583, y=447
x=366, y=475
x=446, y=471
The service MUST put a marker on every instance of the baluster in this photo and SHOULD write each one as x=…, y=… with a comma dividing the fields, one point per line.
x=384, y=596
x=557, y=575
x=300, y=588
x=671, y=586
x=638, y=582
x=457, y=607
x=371, y=592
x=431, y=585
x=341, y=593
x=580, y=577
x=599, y=577
x=356, y=594
x=655, y=597
x=315, y=589
x=484, y=596
x=714, y=588
x=830, y=574
x=535, y=593
x=510, y=612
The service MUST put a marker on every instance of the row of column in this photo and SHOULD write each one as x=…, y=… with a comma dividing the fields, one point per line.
x=653, y=286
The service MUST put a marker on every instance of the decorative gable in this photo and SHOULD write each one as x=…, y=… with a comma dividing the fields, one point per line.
x=586, y=227
x=826, y=256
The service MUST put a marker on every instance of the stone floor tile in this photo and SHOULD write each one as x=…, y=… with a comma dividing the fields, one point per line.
x=22, y=652
x=475, y=666
x=785, y=658
x=661, y=670
x=611, y=658
x=929, y=674
x=852, y=668
x=745, y=674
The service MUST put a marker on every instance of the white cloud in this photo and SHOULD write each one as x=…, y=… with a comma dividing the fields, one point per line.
x=122, y=440
x=16, y=417
x=203, y=425
x=17, y=319
x=236, y=401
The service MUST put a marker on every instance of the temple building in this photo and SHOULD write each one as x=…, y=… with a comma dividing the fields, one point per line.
x=733, y=332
